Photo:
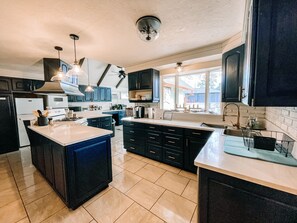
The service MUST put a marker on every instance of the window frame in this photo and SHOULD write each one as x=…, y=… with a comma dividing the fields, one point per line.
x=207, y=85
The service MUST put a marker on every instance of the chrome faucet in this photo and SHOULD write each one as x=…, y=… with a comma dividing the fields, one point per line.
x=237, y=125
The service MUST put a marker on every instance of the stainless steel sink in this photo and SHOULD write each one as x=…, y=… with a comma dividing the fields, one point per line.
x=218, y=126
x=232, y=132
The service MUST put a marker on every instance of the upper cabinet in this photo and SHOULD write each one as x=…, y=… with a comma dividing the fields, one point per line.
x=5, y=85
x=52, y=65
x=100, y=94
x=232, y=66
x=144, y=86
x=270, y=56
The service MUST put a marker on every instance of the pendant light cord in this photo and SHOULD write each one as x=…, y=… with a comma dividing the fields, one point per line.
x=88, y=72
x=74, y=51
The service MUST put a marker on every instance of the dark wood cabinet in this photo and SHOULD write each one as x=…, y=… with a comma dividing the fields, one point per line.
x=103, y=122
x=51, y=66
x=227, y=199
x=82, y=90
x=232, y=67
x=8, y=130
x=134, y=137
x=194, y=142
x=270, y=62
x=105, y=94
x=76, y=172
x=25, y=85
x=100, y=94
x=145, y=82
x=5, y=85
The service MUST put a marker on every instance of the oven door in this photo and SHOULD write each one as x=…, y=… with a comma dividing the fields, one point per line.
x=57, y=101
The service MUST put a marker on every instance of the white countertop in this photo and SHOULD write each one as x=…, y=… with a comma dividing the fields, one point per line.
x=213, y=157
x=277, y=176
x=92, y=114
x=67, y=133
x=173, y=123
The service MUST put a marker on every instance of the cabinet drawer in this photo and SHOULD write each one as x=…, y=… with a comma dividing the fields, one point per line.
x=134, y=148
x=175, y=141
x=173, y=130
x=198, y=133
x=134, y=131
x=134, y=139
x=134, y=124
x=154, y=128
x=154, y=137
x=103, y=119
x=173, y=157
x=154, y=152
x=106, y=125
x=93, y=120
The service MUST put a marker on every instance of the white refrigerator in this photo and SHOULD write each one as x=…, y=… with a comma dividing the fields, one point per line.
x=24, y=110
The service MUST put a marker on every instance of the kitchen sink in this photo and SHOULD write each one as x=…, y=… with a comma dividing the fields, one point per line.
x=232, y=132
x=218, y=126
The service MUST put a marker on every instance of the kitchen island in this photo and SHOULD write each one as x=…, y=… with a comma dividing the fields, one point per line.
x=75, y=159
x=238, y=189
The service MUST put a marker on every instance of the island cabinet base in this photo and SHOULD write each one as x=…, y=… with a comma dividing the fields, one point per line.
x=227, y=199
x=76, y=172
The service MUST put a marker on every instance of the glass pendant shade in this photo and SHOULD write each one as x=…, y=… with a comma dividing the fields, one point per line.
x=179, y=67
x=59, y=75
x=89, y=89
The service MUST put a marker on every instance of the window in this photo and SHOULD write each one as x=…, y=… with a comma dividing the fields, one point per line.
x=197, y=91
x=169, y=93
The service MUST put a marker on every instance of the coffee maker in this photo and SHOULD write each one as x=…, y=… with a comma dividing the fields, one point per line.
x=138, y=112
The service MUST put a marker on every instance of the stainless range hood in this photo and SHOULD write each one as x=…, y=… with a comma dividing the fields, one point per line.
x=59, y=87
x=50, y=66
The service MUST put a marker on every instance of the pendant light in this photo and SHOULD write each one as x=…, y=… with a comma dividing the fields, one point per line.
x=89, y=88
x=59, y=75
x=76, y=69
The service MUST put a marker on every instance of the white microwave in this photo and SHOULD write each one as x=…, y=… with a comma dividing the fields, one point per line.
x=56, y=101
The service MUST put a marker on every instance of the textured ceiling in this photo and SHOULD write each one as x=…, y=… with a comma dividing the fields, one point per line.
x=30, y=29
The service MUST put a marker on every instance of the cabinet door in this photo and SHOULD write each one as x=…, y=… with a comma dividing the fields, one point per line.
x=90, y=168
x=133, y=83
x=71, y=98
x=37, y=84
x=273, y=53
x=48, y=161
x=232, y=74
x=8, y=130
x=21, y=84
x=96, y=94
x=108, y=94
x=82, y=90
x=5, y=85
x=145, y=79
x=89, y=96
x=192, y=148
x=102, y=93
x=156, y=86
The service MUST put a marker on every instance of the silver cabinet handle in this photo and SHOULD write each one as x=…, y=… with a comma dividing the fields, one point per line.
x=171, y=130
x=239, y=93
x=170, y=137
x=152, y=127
x=132, y=140
x=187, y=142
x=132, y=147
x=196, y=133
x=171, y=157
x=2, y=99
x=171, y=142
x=131, y=131
x=153, y=152
x=152, y=137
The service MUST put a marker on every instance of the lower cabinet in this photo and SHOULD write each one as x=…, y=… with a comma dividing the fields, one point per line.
x=227, y=199
x=174, y=146
x=76, y=172
x=103, y=122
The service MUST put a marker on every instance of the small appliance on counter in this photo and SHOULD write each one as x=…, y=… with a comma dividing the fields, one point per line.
x=150, y=113
x=138, y=112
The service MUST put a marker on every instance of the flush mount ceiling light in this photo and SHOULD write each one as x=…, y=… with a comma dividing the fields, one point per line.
x=89, y=88
x=179, y=67
x=76, y=69
x=148, y=28
x=59, y=75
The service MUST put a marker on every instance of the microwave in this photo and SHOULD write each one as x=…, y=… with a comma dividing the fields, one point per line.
x=56, y=101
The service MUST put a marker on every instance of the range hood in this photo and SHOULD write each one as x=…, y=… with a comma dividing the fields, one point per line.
x=59, y=87
x=50, y=66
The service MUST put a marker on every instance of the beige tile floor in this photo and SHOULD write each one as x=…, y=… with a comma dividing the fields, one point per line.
x=142, y=190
